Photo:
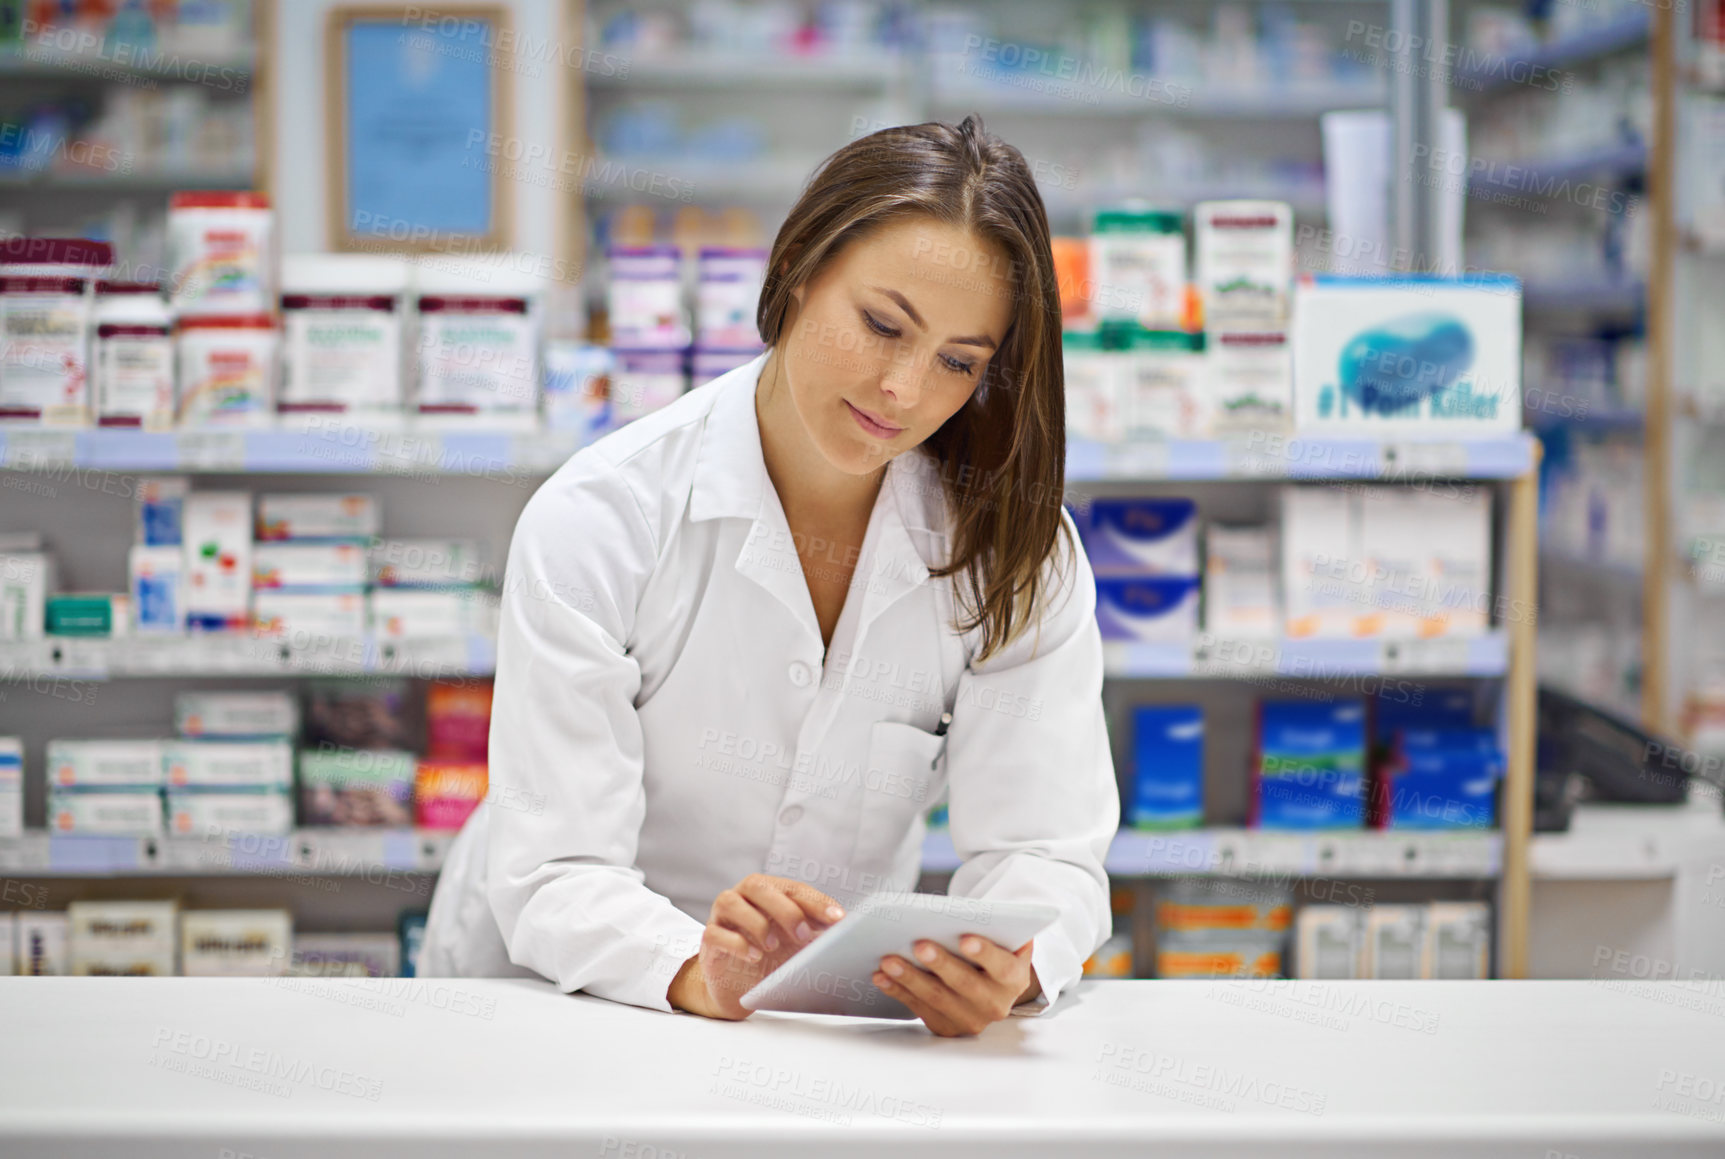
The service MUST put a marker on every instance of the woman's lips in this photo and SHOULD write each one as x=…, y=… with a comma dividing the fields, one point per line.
x=878, y=427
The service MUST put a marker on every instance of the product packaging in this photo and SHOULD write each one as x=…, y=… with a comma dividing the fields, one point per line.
x=240, y=943
x=644, y=381
x=218, y=547
x=1168, y=771
x=1161, y=384
x=1112, y=959
x=1328, y=941
x=1142, y=537
x=111, y=812
x=228, y=763
x=1138, y=261
x=347, y=714
x=1092, y=373
x=26, y=578
x=342, y=337
x=728, y=283
x=1394, y=942
x=1407, y=354
x=1240, y=582
x=426, y=563
x=221, y=249
x=301, y=566
x=1394, y=548
x=458, y=720
x=1457, y=522
x=309, y=616
x=577, y=389
x=1147, y=609
x=410, y=613
x=645, y=295
x=1457, y=941
x=347, y=955
x=47, y=306
x=444, y=793
x=1244, y=254
x=227, y=370
x=235, y=715
x=43, y=949
x=89, y=614
x=1072, y=275
x=1440, y=780
x=317, y=516
x=356, y=787
x=202, y=812
x=11, y=786
x=1310, y=766
x=157, y=577
x=123, y=937
x=1249, y=381
x=1323, y=577
x=411, y=930
x=478, y=345
x=132, y=361
x=1220, y=927
x=160, y=510
x=82, y=764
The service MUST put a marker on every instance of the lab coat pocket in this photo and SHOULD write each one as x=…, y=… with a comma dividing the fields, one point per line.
x=900, y=783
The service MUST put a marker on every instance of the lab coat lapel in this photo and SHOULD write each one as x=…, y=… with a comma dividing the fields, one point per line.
x=891, y=566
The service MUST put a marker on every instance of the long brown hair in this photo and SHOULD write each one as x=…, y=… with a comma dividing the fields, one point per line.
x=1011, y=435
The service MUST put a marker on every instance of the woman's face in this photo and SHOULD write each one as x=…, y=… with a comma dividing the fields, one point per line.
x=891, y=338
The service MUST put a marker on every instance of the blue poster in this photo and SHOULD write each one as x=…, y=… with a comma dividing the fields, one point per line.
x=419, y=122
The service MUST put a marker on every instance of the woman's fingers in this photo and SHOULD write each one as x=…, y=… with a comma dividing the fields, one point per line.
x=732, y=911
x=769, y=895
x=967, y=981
x=944, y=1011
x=1000, y=963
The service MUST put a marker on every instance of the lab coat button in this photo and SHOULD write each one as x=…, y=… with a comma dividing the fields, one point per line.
x=791, y=815
x=800, y=674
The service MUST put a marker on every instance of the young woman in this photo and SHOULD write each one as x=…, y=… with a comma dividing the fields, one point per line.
x=749, y=640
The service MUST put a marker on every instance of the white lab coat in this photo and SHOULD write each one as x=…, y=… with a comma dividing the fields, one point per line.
x=665, y=722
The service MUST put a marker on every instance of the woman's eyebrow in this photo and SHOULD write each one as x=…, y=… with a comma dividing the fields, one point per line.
x=969, y=340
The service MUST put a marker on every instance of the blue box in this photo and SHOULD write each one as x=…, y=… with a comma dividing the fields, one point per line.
x=1442, y=779
x=1310, y=766
x=1435, y=708
x=1142, y=537
x=1147, y=609
x=1168, y=767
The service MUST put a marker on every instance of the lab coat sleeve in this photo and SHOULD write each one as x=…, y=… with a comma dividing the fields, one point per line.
x=566, y=749
x=1032, y=800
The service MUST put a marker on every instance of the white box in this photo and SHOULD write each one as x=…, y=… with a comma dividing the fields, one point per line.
x=26, y=578
x=308, y=565
x=218, y=552
x=241, y=943
x=375, y=955
x=1457, y=940
x=215, y=812
x=157, y=580
x=1161, y=387
x=403, y=613
x=1240, y=582
x=114, y=812
x=405, y=563
x=1328, y=943
x=1093, y=374
x=1457, y=522
x=1249, y=375
x=42, y=944
x=1407, y=355
x=1395, y=544
x=1244, y=252
x=317, y=516
x=11, y=786
x=309, y=617
x=1394, y=942
x=228, y=764
x=235, y=715
x=160, y=511
x=104, y=763
x=123, y=937
x=8, y=944
x=1322, y=573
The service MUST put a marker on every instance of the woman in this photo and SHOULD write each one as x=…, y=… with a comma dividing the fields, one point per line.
x=749, y=640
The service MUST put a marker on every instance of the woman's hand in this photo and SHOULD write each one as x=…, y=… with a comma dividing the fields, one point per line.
x=753, y=929
x=959, y=996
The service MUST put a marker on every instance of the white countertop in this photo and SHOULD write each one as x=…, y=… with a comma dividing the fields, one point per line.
x=150, y=1068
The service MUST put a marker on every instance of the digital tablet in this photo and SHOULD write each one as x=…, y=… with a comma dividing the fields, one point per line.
x=834, y=973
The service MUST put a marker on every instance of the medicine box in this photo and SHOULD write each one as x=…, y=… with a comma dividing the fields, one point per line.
x=235, y=715
x=1138, y=262
x=445, y=793
x=89, y=614
x=1233, y=956
x=1249, y=378
x=161, y=500
x=317, y=516
x=1309, y=771
x=1142, y=537
x=42, y=944
x=1322, y=574
x=315, y=566
x=1147, y=609
x=408, y=563
x=1441, y=788
x=218, y=553
x=356, y=787
x=1457, y=940
x=1395, y=548
x=1328, y=943
x=215, y=812
x=123, y=937
x=11, y=786
x=1457, y=523
x=1168, y=769
x=1394, y=942
x=406, y=613
x=111, y=812
x=235, y=943
x=26, y=578
x=157, y=581
x=374, y=955
x=103, y=763
x=1244, y=257
x=1407, y=355
x=1240, y=582
x=309, y=617
x=228, y=764
x=1092, y=372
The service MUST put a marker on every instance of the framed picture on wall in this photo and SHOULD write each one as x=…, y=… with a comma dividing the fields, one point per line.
x=416, y=103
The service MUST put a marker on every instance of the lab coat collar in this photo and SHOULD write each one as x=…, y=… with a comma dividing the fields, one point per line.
x=730, y=471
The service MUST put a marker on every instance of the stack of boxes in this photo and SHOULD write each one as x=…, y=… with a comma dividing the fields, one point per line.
x=1309, y=768
x=354, y=768
x=237, y=943
x=231, y=770
x=1145, y=556
x=134, y=938
x=1221, y=927
x=1168, y=752
x=1439, y=940
x=1432, y=768
x=452, y=777
x=11, y=786
x=429, y=587
x=309, y=565
x=105, y=786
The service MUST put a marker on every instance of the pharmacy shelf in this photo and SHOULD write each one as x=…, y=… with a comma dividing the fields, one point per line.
x=1548, y=176
x=1603, y=295
x=714, y=69
x=1052, y=96
x=1531, y=66
x=218, y=72
x=1306, y=198
x=1265, y=456
x=699, y=178
x=1271, y=856
x=375, y=854
x=215, y=654
x=1224, y=658
x=138, y=181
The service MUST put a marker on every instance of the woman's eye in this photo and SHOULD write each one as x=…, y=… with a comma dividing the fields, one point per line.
x=880, y=328
x=958, y=365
